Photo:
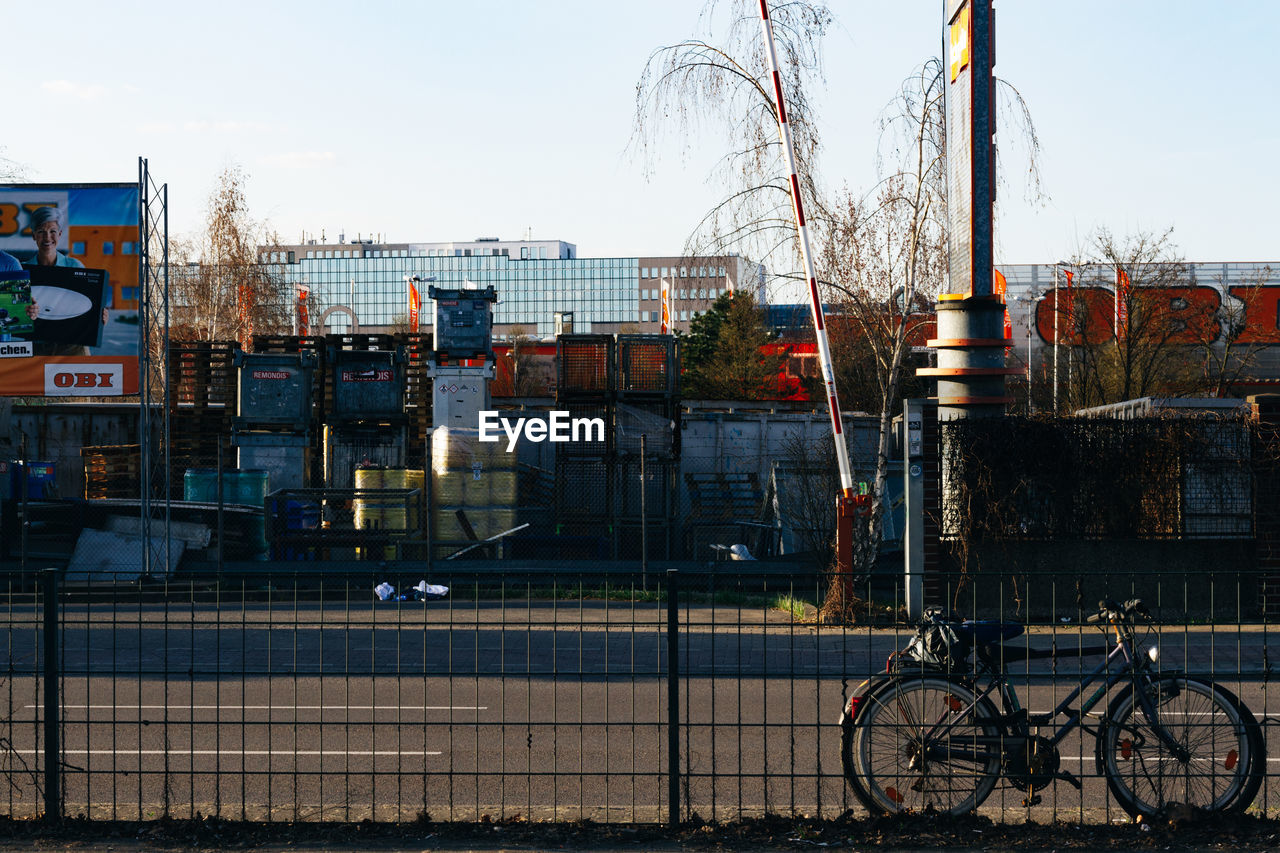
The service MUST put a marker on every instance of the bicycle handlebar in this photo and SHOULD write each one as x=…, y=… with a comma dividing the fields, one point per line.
x=1109, y=611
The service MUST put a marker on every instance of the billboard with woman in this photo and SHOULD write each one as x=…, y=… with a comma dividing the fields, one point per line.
x=69, y=290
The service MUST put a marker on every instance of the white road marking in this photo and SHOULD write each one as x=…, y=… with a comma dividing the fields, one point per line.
x=245, y=752
x=183, y=707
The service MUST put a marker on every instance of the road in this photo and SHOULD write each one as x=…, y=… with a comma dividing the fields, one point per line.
x=543, y=709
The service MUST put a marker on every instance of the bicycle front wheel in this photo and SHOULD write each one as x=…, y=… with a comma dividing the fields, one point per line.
x=1205, y=759
x=926, y=743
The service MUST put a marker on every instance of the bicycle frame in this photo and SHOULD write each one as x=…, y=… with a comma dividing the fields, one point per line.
x=1020, y=722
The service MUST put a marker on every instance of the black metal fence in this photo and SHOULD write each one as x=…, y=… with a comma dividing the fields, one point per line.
x=615, y=696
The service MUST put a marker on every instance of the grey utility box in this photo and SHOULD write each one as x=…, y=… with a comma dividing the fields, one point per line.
x=274, y=389
x=368, y=384
x=460, y=395
x=464, y=320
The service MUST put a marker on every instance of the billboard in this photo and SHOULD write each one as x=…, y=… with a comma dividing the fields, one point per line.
x=69, y=290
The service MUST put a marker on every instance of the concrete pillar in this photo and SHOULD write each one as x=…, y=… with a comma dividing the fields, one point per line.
x=971, y=349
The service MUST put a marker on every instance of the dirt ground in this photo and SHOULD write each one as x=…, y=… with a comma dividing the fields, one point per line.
x=916, y=833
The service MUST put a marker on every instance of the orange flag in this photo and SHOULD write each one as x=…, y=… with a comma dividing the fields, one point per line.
x=1000, y=287
x=1122, y=301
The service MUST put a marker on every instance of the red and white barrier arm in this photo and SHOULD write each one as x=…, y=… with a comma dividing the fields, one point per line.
x=819, y=321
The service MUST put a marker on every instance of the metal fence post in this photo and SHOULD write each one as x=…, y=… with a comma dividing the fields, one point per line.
x=644, y=517
x=221, y=520
x=52, y=747
x=673, y=699
x=24, y=509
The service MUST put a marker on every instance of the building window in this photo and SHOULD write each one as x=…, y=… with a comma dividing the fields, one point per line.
x=722, y=272
x=128, y=293
x=684, y=272
x=108, y=248
x=524, y=253
x=77, y=248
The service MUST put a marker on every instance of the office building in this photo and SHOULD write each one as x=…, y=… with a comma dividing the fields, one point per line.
x=362, y=285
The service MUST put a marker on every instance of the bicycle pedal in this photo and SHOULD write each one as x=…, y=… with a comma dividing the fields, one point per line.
x=1067, y=777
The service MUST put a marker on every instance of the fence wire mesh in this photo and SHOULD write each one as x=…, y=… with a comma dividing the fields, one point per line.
x=290, y=696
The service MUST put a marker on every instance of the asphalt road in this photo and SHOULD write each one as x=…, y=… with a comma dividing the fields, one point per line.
x=539, y=709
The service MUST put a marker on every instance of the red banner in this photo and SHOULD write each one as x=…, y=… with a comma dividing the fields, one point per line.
x=415, y=306
x=304, y=313
x=1122, y=302
x=666, y=308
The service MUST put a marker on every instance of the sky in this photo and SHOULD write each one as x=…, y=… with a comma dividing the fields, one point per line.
x=427, y=121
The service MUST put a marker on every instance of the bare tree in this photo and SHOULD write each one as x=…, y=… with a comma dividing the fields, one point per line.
x=521, y=365
x=723, y=88
x=882, y=256
x=884, y=261
x=1131, y=331
x=221, y=289
x=1228, y=350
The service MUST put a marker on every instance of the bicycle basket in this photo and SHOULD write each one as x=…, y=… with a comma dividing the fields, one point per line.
x=938, y=643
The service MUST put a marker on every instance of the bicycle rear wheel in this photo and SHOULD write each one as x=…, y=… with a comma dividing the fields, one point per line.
x=1217, y=765
x=925, y=743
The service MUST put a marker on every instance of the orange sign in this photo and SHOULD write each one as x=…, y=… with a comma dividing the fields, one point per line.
x=1000, y=287
x=666, y=308
x=415, y=305
x=959, y=53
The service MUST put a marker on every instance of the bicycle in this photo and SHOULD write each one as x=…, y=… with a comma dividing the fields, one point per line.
x=926, y=735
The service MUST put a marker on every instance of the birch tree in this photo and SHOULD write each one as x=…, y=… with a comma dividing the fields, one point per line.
x=221, y=289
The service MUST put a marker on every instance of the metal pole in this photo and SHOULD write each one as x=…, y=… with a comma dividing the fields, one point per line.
x=145, y=358
x=221, y=522
x=52, y=747
x=1030, y=304
x=1057, y=309
x=22, y=500
x=913, y=498
x=673, y=700
x=644, y=515
x=811, y=276
x=426, y=483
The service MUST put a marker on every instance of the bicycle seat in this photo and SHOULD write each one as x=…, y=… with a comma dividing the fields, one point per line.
x=982, y=632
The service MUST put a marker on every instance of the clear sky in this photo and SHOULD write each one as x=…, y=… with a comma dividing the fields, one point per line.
x=426, y=121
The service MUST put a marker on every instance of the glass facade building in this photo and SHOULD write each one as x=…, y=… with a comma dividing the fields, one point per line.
x=601, y=292
x=362, y=286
